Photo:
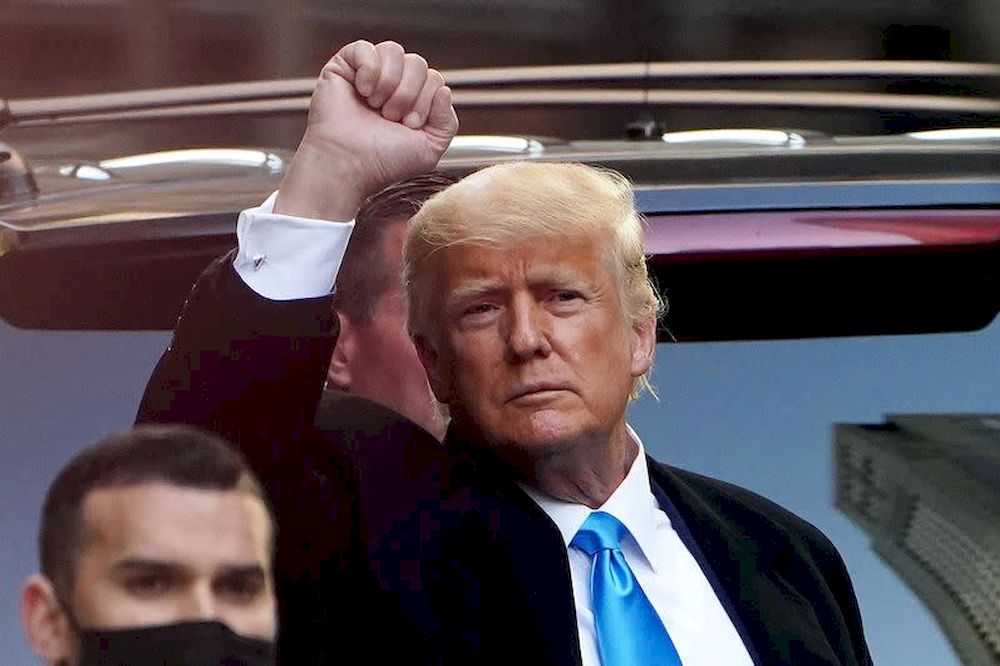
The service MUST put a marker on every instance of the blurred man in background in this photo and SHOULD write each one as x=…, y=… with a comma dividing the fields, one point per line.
x=374, y=357
x=155, y=547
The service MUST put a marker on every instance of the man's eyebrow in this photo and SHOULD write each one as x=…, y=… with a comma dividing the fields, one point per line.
x=556, y=276
x=131, y=564
x=141, y=564
x=472, y=289
x=244, y=570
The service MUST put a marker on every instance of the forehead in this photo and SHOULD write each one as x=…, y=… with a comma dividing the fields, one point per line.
x=198, y=527
x=537, y=259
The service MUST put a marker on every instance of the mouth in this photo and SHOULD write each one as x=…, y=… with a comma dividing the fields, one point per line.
x=538, y=391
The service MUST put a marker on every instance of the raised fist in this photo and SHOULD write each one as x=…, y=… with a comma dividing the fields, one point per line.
x=378, y=115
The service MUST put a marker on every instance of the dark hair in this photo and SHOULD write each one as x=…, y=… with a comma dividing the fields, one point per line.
x=364, y=275
x=177, y=454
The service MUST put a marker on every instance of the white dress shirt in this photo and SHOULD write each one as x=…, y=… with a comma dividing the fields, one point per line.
x=282, y=258
x=674, y=583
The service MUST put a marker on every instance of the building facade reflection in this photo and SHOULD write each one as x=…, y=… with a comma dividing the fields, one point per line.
x=926, y=489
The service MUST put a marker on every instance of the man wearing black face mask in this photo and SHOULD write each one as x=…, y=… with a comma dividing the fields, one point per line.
x=156, y=548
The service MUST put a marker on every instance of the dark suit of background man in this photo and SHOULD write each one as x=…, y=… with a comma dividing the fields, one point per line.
x=532, y=313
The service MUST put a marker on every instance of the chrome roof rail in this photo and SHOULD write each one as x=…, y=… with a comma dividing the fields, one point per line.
x=716, y=98
x=464, y=144
x=717, y=70
x=739, y=136
x=493, y=87
x=958, y=134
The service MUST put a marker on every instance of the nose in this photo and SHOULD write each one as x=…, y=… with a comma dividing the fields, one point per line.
x=528, y=334
x=199, y=604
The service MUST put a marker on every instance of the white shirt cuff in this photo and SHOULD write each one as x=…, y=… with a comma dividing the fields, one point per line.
x=285, y=258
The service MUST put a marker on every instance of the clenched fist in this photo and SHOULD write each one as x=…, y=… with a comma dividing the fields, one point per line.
x=377, y=115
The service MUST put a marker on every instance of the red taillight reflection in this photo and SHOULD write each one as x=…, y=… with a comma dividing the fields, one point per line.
x=777, y=231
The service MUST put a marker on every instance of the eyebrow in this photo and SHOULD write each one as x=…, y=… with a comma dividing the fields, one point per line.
x=473, y=289
x=245, y=571
x=558, y=275
x=145, y=565
x=547, y=276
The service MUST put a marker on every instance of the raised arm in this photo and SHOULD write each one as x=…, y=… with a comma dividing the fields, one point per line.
x=251, y=347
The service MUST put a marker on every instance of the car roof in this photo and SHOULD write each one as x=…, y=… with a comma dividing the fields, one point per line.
x=116, y=242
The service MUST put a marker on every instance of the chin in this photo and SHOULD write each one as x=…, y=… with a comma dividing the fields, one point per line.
x=544, y=433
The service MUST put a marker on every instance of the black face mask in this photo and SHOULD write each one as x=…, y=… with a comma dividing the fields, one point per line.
x=180, y=644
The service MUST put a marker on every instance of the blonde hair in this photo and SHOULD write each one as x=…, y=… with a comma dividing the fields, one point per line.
x=505, y=204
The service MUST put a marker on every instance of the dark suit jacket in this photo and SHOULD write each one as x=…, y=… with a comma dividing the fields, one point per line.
x=393, y=548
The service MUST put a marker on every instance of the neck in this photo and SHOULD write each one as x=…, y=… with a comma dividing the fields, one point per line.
x=584, y=472
x=587, y=473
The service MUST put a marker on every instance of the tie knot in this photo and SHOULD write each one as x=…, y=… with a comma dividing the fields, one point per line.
x=601, y=531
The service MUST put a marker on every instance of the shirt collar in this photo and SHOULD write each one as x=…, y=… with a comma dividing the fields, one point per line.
x=632, y=502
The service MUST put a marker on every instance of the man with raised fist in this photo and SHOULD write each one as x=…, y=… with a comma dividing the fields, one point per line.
x=540, y=532
x=253, y=345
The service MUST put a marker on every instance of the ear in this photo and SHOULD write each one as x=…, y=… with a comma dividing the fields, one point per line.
x=46, y=627
x=437, y=375
x=643, y=345
x=338, y=375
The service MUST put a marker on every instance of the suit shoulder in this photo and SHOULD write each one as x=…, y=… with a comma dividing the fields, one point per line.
x=744, y=509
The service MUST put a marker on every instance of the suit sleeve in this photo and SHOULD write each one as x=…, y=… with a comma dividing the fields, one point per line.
x=248, y=368
x=252, y=369
x=851, y=636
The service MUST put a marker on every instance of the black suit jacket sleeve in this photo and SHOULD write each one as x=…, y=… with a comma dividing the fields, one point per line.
x=252, y=370
x=248, y=368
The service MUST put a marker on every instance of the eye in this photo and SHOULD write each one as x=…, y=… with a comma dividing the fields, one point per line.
x=566, y=300
x=240, y=589
x=148, y=586
x=480, y=313
x=480, y=308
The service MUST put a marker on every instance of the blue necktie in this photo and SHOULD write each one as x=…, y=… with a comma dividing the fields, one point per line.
x=629, y=632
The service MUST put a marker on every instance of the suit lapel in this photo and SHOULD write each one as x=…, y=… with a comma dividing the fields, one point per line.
x=528, y=613
x=526, y=609
x=531, y=543
x=750, y=574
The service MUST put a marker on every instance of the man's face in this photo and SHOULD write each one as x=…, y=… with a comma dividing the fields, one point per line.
x=531, y=345
x=385, y=367
x=156, y=553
